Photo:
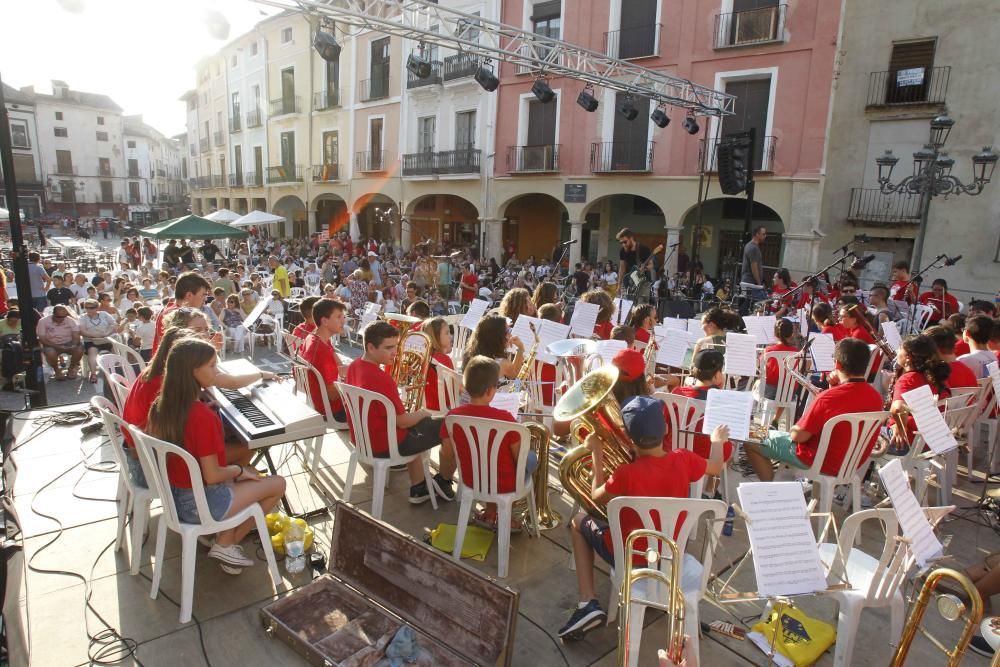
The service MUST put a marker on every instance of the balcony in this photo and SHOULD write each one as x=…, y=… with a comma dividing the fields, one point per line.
x=220, y=138
x=370, y=161
x=326, y=173
x=461, y=161
x=414, y=81
x=913, y=86
x=459, y=66
x=640, y=42
x=326, y=99
x=253, y=118
x=103, y=173
x=533, y=159
x=203, y=144
x=420, y=164
x=763, y=154
x=253, y=179
x=621, y=157
x=134, y=173
x=134, y=199
x=750, y=28
x=63, y=197
x=289, y=173
x=218, y=180
x=236, y=180
x=285, y=105
x=109, y=198
x=25, y=179
x=870, y=206
x=235, y=124
x=376, y=88
x=164, y=198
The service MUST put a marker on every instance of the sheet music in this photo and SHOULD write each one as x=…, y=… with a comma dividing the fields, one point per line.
x=415, y=343
x=785, y=558
x=741, y=354
x=550, y=333
x=891, y=334
x=522, y=329
x=607, y=349
x=584, y=318
x=477, y=308
x=257, y=311
x=930, y=421
x=373, y=308
x=694, y=327
x=821, y=351
x=675, y=323
x=923, y=542
x=729, y=407
x=507, y=400
x=994, y=370
x=622, y=309
x=803, y=322
x=673, y=346
x=761, y=327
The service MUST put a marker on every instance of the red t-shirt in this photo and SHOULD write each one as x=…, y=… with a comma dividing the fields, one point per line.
x=642, y=335
x=202, y=437
x=158, y=328
x=431, y=391
x=861, y=333
x=897, y=293
x=838, y=331
x=667, y=476
x=603, y=330
x=140, y=398
x=806, y=299
x=771, y=369
x=320, y=354
x=961, y=347
x=548, y=376
x=846, y=398
x=365, y=374
x=470, y=283
x=961, y=376
x=943, y=307
x=303, y=329
x=506, y=470
x=702, y=443
x=906, y=382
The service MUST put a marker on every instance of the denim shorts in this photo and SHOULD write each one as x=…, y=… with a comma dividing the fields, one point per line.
x=135, y=473
x=219, y=496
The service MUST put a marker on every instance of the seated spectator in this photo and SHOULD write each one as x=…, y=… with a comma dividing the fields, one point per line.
x=59, y=333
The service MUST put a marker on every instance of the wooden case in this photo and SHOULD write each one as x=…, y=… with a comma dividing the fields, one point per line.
x=379, y=578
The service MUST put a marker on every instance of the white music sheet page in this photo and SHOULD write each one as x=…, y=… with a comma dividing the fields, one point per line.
x=741, y=354
x=373, y=308
x=673, y=346
x=821, y=351
x=622, y=309
x=257, y=311
x=994, y=370
x=477, y=308
x=584, y=319
x=923, y=542
x=607, y=349
x=522, y=329
x=694, y=327
x=761, y=327
x=729, y=407
x=891, y=334
x=785, y=558
x=803, y=322
x=551, y=332
x=675, y=323
x=930, y=421
x=507, y=400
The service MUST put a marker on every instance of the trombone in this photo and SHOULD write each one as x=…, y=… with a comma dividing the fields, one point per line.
x=950, y=607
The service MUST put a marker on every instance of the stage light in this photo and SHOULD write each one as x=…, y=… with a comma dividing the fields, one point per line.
x=691, y=125
x=587, y=100
x=486, y=78
x=660, y=117
x=418, y=66
x=327, y=47
x=627, y=108
x=542, y=91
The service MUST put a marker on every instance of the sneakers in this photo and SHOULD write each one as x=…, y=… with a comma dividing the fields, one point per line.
x=981, y=646
x=445, y=488
x=419, y=493
x=583, y=620
x=207, y=541
x=231, y=559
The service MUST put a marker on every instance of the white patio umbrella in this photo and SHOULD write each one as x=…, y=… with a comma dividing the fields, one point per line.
x=355, y=229
x=256, y=218
x=223, y=215
x=4, y=214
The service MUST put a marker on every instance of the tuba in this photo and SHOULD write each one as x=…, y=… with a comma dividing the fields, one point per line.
x=592, y=408
x=576, y=356
x=548, y=518
x=409, y=369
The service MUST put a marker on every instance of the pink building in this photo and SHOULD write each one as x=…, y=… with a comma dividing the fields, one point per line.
x=563, y=173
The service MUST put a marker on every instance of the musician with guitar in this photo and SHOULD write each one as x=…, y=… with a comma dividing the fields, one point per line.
x=635, y=264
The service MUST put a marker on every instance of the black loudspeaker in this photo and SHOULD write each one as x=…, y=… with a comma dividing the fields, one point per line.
x=682, y=309
x=733, y=161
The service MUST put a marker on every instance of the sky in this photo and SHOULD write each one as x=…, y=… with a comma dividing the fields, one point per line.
x=141, y=53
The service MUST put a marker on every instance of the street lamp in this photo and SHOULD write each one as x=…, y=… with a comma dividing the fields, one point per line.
x=932, y=176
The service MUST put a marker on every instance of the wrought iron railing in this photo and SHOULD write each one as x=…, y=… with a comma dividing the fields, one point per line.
x=377, y=87
x=253, y=178
x=763, y=154
x=253, y=118
x=638, y=42
x=871, y=206
x=326, y=172
x=286, y=105
x=621, y=156
x=203, y=144
x=414, y=81
x=289, y=173
x=235, y=123
x=527, y=159
x=458, y=66
x=915, y=85
x=370, y=161
x=749, y=27
x=326, y=99
x=236, y=180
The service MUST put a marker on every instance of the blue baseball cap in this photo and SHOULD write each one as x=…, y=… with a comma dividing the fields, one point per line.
x=645, y=422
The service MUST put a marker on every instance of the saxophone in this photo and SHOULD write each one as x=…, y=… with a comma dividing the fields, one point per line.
x=524, y=373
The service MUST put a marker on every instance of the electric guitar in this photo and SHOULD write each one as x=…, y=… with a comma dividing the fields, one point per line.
x=639, y=276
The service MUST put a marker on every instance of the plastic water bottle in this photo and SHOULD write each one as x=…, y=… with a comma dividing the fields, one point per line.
x=727, y=527
x=295, y=560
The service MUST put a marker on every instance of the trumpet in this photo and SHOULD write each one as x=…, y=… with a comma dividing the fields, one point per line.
x=950, y=607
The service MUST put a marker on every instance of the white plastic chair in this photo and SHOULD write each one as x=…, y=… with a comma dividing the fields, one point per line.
x=292, y=343
x=536, y=389
x=302, y=371
x=129, y=353
x=985, y=403
x=358, y=403
x=115, y=363
x=488, y=434
x=274, y=336
x=449, y=389
x=461, y=337
x=683, y=414
x=132, y=501
x=785, y=396
x=662, y=514
x=875, y=581
x=154, y=454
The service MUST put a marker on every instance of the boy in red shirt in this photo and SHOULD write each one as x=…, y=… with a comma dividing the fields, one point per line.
x=416, y=432
x=318, y=351
x=902, y=289
x=308, y=324
x=961, y=375
x=480, y=378
x=189, y=290
x=654, y=472
x=850, y=394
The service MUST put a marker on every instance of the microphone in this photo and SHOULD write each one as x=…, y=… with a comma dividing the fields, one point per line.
x=569, y=242
x=674, y=245
x=862, y=262
x=952, y=261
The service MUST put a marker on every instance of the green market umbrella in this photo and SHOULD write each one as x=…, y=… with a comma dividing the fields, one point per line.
x=192, y=227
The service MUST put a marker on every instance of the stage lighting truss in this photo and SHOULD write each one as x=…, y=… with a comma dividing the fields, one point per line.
x=586, y=99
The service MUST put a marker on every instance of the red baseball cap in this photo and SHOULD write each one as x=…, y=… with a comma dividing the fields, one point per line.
x=631, y=363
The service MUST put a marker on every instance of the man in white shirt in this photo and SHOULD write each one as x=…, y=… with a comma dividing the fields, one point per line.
x=376, y=267
x=59, y=333
x=977, y=334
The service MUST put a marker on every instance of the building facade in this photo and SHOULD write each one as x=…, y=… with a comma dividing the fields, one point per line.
x=901, y=64
x=24, y=144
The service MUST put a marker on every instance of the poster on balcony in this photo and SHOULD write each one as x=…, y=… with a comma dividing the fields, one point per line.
x=912, y=76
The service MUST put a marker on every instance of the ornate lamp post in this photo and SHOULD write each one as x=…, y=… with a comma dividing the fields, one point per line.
x=932, y=176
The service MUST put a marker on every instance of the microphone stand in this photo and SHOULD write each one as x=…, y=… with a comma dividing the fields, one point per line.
x=815, y=276
x=562, y=256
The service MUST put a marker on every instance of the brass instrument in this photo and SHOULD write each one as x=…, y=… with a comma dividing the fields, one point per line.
x=799, y=377
x=950, y=607
x=576, y=356
x=523, y=373
x=674, y=608
x=409, y=368
x=548, y=518
x=592, y=408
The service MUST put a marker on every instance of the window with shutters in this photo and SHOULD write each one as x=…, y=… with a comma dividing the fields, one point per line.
x=104, y=166
x=60, y=131
x=750, y=22
x=425, y=134
x=64, y=162
x=750, y=111
x=465, y=130
x=910, y=67
x=638, y=32
x=19, y=137
x=133, y=193
x=107, y=191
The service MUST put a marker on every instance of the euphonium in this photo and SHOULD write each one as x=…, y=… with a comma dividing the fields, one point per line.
x=403, y=324
x=548, y=518
x=591, y=403
x=577, y=356
x=950, y=608
x=674, y=607
x=409, y=369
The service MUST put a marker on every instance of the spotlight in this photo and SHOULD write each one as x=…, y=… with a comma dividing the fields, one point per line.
x=587, y=100
x=691, y=125
x=327, y=47
x=486, y=78
x=627, y=108
x=419, y=66
x=660, y=117
x=542, y=91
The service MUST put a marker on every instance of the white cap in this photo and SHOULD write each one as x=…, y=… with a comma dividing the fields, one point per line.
x=485, y=292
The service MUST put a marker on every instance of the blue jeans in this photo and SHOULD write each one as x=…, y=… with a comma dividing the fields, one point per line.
x=219, y=496
x=135, y=473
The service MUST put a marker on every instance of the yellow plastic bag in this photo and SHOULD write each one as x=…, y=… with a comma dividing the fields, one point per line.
x=798, y=637
x=477, y=540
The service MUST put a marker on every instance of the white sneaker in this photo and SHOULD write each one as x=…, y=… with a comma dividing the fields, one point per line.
x=232, y=556
x=207, y=541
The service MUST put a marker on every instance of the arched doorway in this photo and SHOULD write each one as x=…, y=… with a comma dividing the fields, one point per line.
x=332, y=214
x=723, y=236
x=293, y=211
x=614, y=213
x=378, y=217
x=534, y=224
x=447, y=219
